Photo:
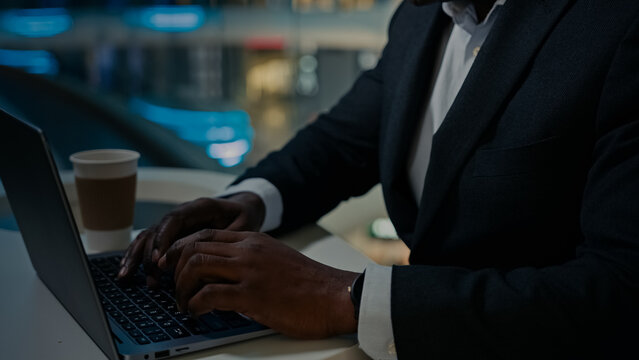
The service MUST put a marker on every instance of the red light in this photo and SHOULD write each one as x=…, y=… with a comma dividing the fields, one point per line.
x=265, y=43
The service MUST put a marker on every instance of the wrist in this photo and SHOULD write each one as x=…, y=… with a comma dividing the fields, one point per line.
x=342, y=311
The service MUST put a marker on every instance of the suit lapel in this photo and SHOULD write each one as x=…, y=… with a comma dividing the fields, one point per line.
x=516, y=36
x=408, y=99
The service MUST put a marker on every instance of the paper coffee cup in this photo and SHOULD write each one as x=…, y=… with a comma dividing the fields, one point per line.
x=105, y=180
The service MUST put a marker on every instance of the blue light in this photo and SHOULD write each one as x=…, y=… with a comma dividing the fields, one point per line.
x=31, y=61
x=226, y=136
x=37, y=22
x=178, y=18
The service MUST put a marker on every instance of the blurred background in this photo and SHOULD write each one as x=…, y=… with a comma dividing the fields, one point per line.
x=205, y=84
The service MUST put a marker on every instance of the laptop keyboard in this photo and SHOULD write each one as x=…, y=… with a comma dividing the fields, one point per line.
x=151, y=315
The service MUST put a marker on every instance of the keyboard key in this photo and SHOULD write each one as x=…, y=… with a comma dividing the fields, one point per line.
x=182, y=318
x=144, y=324
x=186, y=320
x=119, y=300
x=139, y=317
x=160, y=318
x=108, y=289
x=154, y=312
x=135, y=294
x=194, y=326
x=142, y=340
x=227, y=315
x=152, y=330
x=238, y=323
x=177, y=332
x=198, y=329
x=135, y=333
x=128, y=326
x=234, y=319
x=121, y=320
x=168, y=324
x=132, y=312
x=159, y=337
x=213, y=323
x=125, y=305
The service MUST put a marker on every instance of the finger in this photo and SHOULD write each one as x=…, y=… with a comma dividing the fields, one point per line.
x=134, y=247
x=133, y=255
x=208, y=236
x=172, y=255
x=151, y=270
x=210, y=297
x=168, y=231
x=200, y=269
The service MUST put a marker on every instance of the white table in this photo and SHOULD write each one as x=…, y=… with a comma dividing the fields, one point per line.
x=34, y=325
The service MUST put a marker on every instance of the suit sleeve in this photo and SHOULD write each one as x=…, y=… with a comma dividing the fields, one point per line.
x=586, y=308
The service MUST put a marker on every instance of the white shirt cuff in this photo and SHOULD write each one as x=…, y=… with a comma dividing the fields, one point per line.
x=375, y=329
x=270, y=196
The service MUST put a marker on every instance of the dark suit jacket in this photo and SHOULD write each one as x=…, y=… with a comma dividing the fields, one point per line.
x=526, y=241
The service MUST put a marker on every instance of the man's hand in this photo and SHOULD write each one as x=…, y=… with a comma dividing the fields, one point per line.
x=242, y=211
x=256, y=275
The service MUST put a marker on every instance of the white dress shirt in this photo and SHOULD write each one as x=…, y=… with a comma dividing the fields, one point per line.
x=375, y=332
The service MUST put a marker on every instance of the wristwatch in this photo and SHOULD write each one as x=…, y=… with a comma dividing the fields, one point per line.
x=356, y=293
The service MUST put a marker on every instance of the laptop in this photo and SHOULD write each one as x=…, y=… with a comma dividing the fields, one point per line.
x=126, y=321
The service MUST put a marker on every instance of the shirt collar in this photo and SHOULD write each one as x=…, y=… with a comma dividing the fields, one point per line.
x=463, y=13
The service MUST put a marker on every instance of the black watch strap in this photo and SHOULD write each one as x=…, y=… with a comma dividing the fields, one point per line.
x=356, y=293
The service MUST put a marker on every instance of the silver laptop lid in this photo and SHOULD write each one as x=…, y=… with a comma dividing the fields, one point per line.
x=38, y=202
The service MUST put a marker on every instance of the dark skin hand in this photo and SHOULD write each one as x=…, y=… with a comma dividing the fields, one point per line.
x=259, y=276
x=240, y=212
x=247, y=272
